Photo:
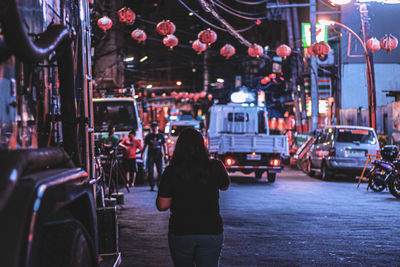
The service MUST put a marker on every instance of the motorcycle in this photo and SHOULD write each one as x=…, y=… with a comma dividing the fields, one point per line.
x=382, y=174
x=386, y=172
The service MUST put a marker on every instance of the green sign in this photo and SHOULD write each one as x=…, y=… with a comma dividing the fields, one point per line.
x=322, y=33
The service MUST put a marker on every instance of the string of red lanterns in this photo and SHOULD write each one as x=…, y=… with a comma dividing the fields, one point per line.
x=139, y=35
x=198, y=46
x=283, y=51
x=207, y=37
x=126, y=15
x=165, y=27
x=388, y=42
x=104, y=23
x=171, y=41
x=373, y=44
x=227, y=51
x=255, y=50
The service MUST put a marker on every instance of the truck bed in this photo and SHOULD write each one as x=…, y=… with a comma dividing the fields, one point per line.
x=259, y=143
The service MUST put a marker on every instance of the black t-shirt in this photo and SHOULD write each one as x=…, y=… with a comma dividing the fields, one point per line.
x=155, y=142
x=194, y=206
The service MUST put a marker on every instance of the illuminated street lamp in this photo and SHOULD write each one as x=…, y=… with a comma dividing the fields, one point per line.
x=370, y=78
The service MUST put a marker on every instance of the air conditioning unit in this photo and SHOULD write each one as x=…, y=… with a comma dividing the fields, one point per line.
x=328, y=59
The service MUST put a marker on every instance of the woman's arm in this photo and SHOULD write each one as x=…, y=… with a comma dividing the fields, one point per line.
x=163, y=203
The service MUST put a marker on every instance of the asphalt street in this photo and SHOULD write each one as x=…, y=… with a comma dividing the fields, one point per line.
x=296, y=221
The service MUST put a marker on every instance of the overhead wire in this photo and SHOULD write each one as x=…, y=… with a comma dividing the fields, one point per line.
x=210, y=24
x=238, y=11
x=234, y=14
x=251, y=3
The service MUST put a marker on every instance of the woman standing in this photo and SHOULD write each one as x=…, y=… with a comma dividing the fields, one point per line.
x=190, y=189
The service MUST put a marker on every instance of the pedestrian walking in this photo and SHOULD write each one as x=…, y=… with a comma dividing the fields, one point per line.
x=189, y=187
x=157, y=150
x=110, y=143
x=130, y=146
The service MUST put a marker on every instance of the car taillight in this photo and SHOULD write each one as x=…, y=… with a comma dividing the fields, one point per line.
x=275, y=162
x=229, y=161
x=332, y=152
x=169, y=141
x=205, y=141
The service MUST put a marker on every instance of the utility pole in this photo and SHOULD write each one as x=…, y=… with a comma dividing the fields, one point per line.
x=370, y=71
x=314, y=69
x=293, y=61
x=205, y=72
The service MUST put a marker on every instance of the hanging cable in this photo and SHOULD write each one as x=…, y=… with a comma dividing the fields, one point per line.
x=240, y=12
x=251, y=3
x=210, y=24
x=231, y=30
x=234, y=14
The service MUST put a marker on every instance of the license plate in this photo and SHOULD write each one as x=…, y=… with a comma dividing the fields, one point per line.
x=253, y=157
x=355, y=153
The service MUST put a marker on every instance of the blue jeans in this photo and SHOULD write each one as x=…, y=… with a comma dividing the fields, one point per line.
x=150, y=167
x=195, y=250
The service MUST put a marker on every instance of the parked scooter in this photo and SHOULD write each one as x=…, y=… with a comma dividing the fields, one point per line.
x=386, y=172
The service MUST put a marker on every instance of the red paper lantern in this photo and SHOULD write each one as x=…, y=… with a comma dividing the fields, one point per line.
x=210, y=97
x=196, y=96
x=389, y=42
x=321, y=49
x=104, y=23
x=199, y=46
x=255, y=50
x=283, y=51
x=310, y=50
x=373, y=44
x=203, y=94
x=139, y=35
x=227, y=51
x=207, y=36
x=165, y=27
x=153, y=95
x=126, y=15
x=171, y=41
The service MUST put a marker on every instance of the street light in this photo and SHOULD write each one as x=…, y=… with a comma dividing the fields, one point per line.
x=370, y=78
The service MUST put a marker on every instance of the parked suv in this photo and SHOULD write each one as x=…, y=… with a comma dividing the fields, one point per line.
x=342, y=150
x=173, y=130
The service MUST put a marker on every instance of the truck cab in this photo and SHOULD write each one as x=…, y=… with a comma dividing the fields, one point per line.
x=238, y=135
x=117, y=107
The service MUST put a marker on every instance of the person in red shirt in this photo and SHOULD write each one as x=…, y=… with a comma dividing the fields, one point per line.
x=130, y=146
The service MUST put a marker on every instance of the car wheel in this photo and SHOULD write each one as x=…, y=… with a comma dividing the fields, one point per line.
x=258, y=174
x=67, y=244
x=271, y=177
x=394, y=187
x=309, y=171
x=325, y=173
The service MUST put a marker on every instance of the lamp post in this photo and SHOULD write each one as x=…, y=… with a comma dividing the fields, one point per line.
x=370, y=75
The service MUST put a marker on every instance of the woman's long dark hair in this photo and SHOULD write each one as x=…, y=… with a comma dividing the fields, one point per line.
x=191, y=155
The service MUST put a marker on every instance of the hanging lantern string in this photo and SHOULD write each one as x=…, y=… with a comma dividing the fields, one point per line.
x=210, y=24
x=240, y=12
x=231, y=30
x=251, y=3
x=233, y=13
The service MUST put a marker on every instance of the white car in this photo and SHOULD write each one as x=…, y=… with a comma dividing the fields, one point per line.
x=174, y=128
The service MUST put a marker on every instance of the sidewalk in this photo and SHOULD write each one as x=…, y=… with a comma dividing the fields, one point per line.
x=143, y=230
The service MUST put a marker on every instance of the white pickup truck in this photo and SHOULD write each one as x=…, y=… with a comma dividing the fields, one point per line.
x=238, y=134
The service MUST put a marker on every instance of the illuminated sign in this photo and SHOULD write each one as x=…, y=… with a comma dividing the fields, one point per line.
x=380, y=1
x=322, y=33
x=323, y=107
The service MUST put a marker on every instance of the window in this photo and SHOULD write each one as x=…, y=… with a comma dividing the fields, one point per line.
x=349, y=135
x=239, y=116
x=120, y=114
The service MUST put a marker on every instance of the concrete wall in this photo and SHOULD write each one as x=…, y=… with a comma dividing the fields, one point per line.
x=354, y=84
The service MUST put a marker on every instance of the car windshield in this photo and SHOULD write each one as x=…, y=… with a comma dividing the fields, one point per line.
x=120, y=114
x=177, y=129
x=348, y=135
